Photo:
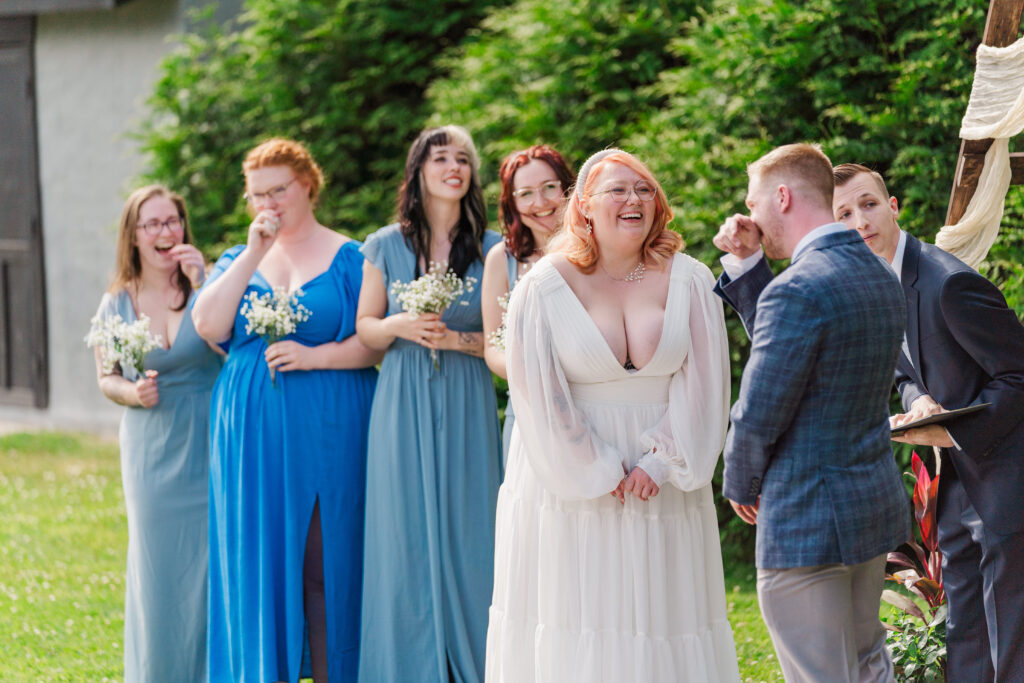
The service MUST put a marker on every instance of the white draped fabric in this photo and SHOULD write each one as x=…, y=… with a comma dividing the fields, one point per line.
x=996, y=110
x=587, y=589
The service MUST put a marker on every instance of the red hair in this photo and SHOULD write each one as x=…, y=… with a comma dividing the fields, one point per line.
x=577, y=242
x=284, y=152
x=519, y=239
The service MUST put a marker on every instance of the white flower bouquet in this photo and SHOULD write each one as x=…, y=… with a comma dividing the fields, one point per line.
x=432, y=293
x=497, y=338
x=273, y=316
x=120, y=343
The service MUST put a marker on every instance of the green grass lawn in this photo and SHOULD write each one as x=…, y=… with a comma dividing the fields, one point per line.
x=62, y=546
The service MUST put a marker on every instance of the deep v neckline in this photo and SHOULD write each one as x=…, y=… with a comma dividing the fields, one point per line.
x=186, y=314
x=313, y=279
x=604, y=342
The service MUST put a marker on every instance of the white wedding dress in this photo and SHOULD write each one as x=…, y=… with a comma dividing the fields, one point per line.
x=586, y=589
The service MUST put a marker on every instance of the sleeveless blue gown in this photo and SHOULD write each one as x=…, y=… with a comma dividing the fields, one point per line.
x=432, y=484
x=275, y=452
x=164, y=470
x=512, y=275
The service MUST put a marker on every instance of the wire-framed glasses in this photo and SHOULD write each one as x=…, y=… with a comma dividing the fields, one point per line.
x=525, y=196
x=621, y=193
x=275, y=193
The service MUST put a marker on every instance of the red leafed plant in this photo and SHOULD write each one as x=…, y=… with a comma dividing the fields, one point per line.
x=918, y=647
x=922, y=574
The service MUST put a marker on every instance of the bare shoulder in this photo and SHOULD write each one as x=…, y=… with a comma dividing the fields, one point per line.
x=495, y=279
x=495, y=256
x=569, y=272
x=332, y=239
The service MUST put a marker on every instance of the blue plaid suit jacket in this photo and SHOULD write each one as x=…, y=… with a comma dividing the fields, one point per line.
x=810, y=429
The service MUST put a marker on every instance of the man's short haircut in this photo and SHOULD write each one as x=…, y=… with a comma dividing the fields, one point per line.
x=798, y=164
x=844, y=172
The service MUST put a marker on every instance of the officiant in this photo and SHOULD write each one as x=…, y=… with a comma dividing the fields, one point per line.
x=963, y=346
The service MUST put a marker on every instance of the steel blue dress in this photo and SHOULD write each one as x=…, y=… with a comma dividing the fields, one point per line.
x=164, y=456
x=432, y=483
x=275, y=451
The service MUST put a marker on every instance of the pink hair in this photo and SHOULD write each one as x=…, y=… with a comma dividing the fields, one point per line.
x=578, y=243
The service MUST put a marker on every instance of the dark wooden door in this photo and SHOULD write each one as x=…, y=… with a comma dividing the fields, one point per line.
x=23, y=358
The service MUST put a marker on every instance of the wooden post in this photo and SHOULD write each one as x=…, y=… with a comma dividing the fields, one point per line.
x=1001, y=28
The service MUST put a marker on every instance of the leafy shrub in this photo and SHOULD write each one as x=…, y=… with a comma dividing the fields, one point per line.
x=568, y=73
x=345, y=77
x=918, y=648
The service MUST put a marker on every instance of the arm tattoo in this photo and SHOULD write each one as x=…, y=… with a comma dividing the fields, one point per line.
x=470, y=343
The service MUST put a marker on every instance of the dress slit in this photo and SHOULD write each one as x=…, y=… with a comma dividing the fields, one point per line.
x=314, y=597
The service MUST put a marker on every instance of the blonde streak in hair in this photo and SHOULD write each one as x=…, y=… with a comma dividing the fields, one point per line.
x=461, y=137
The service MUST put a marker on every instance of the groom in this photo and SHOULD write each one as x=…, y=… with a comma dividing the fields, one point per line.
x=808, y=457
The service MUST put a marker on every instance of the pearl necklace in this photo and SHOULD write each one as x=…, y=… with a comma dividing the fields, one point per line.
x=635, y=275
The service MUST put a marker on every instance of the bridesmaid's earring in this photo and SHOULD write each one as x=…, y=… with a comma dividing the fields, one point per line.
x=590, y=225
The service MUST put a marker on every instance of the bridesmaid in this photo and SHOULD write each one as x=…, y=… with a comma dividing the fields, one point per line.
x=535, y=184
x=432, y=478
x=287, y=462
x=164, y=443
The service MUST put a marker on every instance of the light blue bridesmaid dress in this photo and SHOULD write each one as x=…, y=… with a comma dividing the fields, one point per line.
x=164, y=469
x=275, y=452
x=432, y=483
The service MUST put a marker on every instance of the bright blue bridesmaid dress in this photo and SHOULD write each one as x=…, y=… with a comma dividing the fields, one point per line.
x=275, y=452
x=432, y=483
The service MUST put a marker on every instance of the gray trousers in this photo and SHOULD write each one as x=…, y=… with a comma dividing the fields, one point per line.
x=824, y=621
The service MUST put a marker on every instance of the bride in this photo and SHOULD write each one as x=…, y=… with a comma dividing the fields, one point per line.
x=607, y=561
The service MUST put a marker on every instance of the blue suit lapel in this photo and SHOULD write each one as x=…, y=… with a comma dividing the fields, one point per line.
x=911, y=262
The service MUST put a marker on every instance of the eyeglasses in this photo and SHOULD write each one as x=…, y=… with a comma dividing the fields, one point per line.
x=276, y=193
x=549, y=190
x=621, y=193
x=155, y=227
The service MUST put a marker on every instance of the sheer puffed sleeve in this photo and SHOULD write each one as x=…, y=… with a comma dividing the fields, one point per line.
x=568, y=458
x=683, y=447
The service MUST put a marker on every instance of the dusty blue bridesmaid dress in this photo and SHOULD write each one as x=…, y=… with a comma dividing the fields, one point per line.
x=432, y=483
x=164, y=456
x=275, y=452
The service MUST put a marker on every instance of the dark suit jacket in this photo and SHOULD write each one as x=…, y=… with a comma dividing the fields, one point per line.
x=966, y=346
x=810, y=430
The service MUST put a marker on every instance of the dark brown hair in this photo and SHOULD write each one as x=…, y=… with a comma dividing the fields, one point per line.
x=844, y=172
x=468, y=234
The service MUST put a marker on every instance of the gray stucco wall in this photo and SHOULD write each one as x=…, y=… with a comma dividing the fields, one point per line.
x=94, y=71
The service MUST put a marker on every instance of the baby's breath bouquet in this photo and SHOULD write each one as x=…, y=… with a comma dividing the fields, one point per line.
x=122, y=343
x=432, y=293
x=273, y=316
x=497, y=338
